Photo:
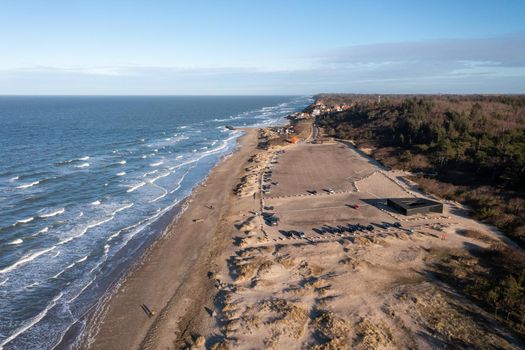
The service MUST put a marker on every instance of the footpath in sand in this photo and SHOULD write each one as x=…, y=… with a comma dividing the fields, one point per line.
x=278, y=289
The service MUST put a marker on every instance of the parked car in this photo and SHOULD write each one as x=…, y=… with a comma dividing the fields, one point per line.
x=272, y=221
x=285, y=233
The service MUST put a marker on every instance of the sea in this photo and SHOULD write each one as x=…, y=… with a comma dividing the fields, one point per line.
x=86, y=184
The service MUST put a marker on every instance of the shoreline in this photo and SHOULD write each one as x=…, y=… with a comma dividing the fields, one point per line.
x=228, y=280
x=118, y=321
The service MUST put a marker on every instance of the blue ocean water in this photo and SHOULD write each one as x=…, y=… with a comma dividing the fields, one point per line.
x=83, y=180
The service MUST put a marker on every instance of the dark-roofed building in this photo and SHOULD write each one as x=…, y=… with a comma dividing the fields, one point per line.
x=410, y=206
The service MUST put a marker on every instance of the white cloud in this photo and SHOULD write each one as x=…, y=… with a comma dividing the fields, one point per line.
x=455, y=66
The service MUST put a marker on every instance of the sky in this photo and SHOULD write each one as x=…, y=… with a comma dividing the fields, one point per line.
x=264, y=47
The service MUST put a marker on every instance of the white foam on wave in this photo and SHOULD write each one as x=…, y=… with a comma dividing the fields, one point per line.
x=121, y=162
x=70, y=266
x=85, y=230
x=23, y=221
x=98, y=223
x=183, y=164
x=164, y=194
x=95, y=224
x=135, y=187
x=144, y=156
x=44, y=230
x=158, y=177
x=53, y=213
x=84, y=158
x=27, y=185
x=178, y=185
x=31, y=322
x=178, y=157
x=34, y=284
x=150, y=173
x=25, y=259
x=156, y=163
x=127, y=206
x=81, y=260
x=122, y=173
x=16, y=241
x=95, y=203
x=14, y=178
x=83, y=165
x=81, y=290
x=81, y=214
x=116, y=234
x=4, y=281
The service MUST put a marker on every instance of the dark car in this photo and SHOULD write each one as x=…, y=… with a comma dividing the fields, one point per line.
x=272, y=221
x=370, y=227
x=316, y=230
x=285, y=233
x=396, y=224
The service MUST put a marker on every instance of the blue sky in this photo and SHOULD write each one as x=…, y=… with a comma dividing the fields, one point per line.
x=261, y=47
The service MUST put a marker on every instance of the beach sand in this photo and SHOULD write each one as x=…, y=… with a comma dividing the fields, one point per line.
x=232, y=282
x=171, y=279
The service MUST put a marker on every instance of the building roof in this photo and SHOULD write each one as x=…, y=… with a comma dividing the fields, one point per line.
x=411, y=203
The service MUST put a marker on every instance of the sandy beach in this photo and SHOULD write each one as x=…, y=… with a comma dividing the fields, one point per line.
x=222, y=278
x=171, y=278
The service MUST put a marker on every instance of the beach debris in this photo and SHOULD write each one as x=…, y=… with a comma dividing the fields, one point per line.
x=198, y=220
x=147, y=311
